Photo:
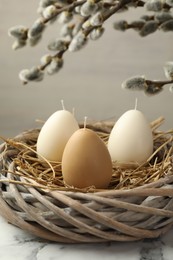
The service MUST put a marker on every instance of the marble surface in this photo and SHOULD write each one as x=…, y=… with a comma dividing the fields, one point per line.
x=15, y=244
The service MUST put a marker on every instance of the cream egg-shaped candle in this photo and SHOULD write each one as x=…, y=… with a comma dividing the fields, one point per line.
x=54, y=135
x=131, y=138
x=86, y=161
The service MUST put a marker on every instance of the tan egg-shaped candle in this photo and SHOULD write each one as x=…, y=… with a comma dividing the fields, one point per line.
x=54, y=135
x=131, y=138
x=86, y=161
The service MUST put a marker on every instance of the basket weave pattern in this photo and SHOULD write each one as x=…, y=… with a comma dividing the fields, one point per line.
x=84, y=217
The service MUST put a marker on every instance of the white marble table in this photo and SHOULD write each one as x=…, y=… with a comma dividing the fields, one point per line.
x=15, y=244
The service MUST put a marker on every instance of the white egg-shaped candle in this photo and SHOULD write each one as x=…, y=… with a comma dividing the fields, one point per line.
x=131, y=139
x=54, y=135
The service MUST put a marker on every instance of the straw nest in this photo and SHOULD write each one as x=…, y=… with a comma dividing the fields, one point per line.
x=138, y=203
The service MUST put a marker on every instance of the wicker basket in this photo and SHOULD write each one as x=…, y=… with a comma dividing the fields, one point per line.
x=85, y=217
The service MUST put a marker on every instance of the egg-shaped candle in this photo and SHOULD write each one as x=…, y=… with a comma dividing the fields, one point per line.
x=131, y=139
x=86, y=161
x=54, y=135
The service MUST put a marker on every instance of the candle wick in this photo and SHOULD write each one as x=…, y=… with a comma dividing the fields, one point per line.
x=62, y=103
x=136, y=103
x=85, y=121
x=73, y=111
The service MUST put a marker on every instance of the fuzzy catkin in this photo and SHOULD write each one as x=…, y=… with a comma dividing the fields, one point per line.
x=36, y=29
x=49, y=12
x=45, y=3
x=135, y=83
x=96, y=33
x=55, y=65
x=148, y=28
x=57, y=45
x=121, y=25
x=18, y=31
x=169, y=2
x=167, y=26
x=168, y=69
x=77, y=42
x=163, y=16
x=18, y=44
x=88, y=8
x=154, y=5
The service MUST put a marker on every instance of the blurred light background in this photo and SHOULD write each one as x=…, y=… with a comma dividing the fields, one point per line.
x=91, y=79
